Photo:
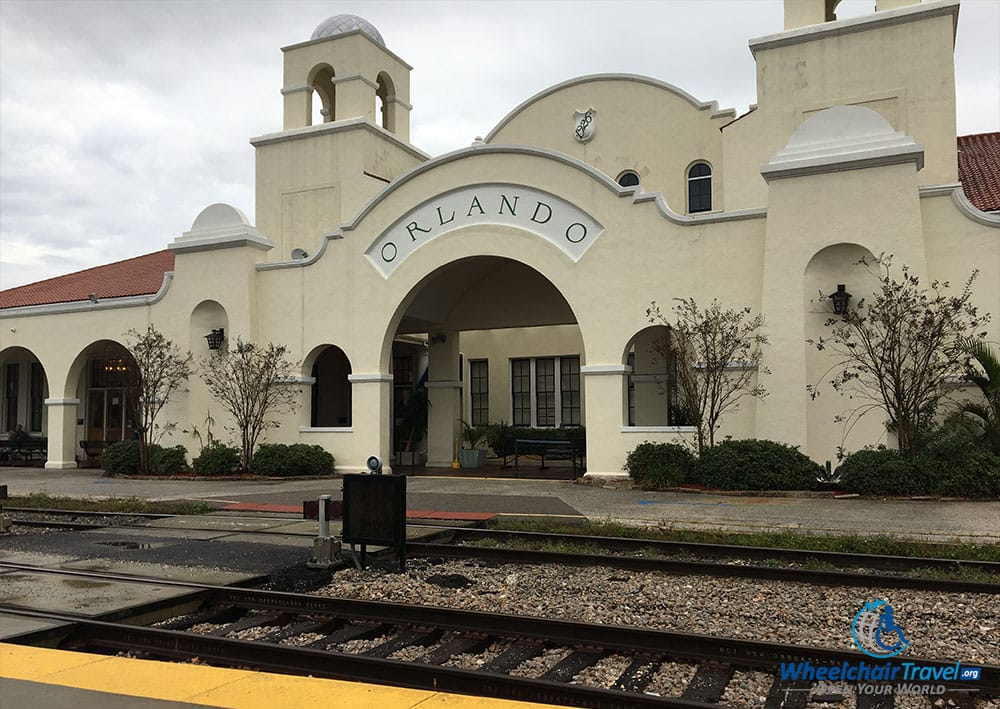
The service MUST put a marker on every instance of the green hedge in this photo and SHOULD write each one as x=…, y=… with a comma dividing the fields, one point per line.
x=122, y=458
x=757, y=465
x=217, y=459
x=501, y=436
x=278, y=459
x=659, y=465
x=951, y=467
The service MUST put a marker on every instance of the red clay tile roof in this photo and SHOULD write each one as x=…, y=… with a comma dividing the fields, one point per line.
x=979, y=169
x=142, y=275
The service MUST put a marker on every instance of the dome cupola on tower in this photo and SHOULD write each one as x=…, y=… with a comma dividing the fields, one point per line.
x=342, y=24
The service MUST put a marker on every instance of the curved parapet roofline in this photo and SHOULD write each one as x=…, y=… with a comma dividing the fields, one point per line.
x=712, y=106
x=77, y=306
x=967, y=208
x=636, y=195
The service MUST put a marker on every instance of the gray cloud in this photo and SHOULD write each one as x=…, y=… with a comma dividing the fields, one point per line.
x=120, y=121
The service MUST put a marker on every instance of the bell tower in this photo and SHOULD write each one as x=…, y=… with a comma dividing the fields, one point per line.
x=346, y=67
x=802, y=13
x=345, y=135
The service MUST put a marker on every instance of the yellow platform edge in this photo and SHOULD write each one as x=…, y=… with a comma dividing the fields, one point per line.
x=220, y=687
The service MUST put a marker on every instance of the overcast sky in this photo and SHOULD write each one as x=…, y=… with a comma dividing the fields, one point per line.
x=120, y=121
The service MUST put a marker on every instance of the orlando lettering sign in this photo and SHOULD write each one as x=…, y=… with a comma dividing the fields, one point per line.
x=558, y=221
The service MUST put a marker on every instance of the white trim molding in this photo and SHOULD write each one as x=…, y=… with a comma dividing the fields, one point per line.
x=446, y=384
x=376, y=378
x=601, y=370
x=62, y=402
x=326, y=429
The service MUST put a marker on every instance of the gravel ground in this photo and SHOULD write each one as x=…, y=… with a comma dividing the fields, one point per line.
x=940, y=626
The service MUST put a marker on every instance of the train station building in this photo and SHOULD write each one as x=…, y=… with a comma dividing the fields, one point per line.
x=511, y=278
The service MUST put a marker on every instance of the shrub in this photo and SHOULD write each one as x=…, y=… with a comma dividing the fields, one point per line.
x=659, y=465
x=217, y=459
x=953, y=466
x=880, y=472
x=757, y=465
x=297, y=459
x=167, y=461
x=121, y=458
x=960, y=467
x=501, y=436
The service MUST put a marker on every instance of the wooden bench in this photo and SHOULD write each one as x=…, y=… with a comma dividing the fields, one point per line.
x=573, y=451
x=26, y=450
x=93, y=450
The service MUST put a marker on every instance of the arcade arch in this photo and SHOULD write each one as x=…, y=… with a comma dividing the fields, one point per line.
x=23, y=390
x=103, y=379
x=483, y=335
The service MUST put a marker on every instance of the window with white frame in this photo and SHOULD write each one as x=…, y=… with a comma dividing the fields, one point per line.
x=479, y=391
x=699, y=188
x=545, y=391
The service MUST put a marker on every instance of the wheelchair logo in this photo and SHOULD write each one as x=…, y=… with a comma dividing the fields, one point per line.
x=875, y=631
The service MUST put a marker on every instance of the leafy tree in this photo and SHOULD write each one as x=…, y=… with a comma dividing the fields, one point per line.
x=983, y=416
x=251, y=383
x=161, y=369
x=896, y=351
x=718, y=355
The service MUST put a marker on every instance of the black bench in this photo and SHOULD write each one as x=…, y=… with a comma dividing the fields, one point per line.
x=573, y=451
x=94, y=450
x=26, y=450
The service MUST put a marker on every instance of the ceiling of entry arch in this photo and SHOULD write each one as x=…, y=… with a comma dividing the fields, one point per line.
x=485, y=293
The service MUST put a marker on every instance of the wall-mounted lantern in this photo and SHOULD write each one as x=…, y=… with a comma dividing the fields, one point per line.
x=215, y=338
x=840, y=299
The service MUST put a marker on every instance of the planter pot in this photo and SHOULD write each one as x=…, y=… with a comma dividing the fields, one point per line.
x=473, y=458
x=412, y=458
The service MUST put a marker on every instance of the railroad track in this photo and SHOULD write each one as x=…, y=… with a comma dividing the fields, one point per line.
x=871, y=573
x=785, y=565
x=303, y=634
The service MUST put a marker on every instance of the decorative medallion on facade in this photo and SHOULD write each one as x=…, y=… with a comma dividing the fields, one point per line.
x=583, y=124
x=554, y=219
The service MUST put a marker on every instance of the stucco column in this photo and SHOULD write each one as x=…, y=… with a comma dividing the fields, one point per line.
x=297, y=106
x=372, y=394
x=603, y=391
x=62, y=433
x=444, y=394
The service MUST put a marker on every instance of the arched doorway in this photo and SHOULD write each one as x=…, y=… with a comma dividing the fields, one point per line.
x=484, y=339
x=106, y=387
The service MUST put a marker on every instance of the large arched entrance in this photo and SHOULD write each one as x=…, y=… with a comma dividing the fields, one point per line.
x=482, y=340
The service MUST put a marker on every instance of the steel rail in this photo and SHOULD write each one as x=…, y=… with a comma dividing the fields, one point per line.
x=599, y=639
x=840, y=559
x=705, y=568
x=87, y=513
x=682, y=645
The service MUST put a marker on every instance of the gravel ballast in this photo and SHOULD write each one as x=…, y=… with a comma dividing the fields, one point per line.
x=939, y=626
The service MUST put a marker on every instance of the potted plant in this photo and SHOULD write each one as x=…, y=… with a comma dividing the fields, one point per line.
x=471, y=455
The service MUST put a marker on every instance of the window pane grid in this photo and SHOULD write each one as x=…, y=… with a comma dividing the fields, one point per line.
x=480, y=392
x=520, y=382
x=545, y=391
x=569, y=385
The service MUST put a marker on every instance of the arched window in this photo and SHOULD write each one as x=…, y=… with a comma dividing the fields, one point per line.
x=323, y=97
x=385, y=106
x=699, y=188
x=331, y=394
x=629, y=178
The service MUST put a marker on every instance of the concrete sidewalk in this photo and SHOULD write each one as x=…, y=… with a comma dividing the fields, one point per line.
x=918, y=519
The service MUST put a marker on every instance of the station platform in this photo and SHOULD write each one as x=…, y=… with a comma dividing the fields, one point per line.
x=59, y=679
